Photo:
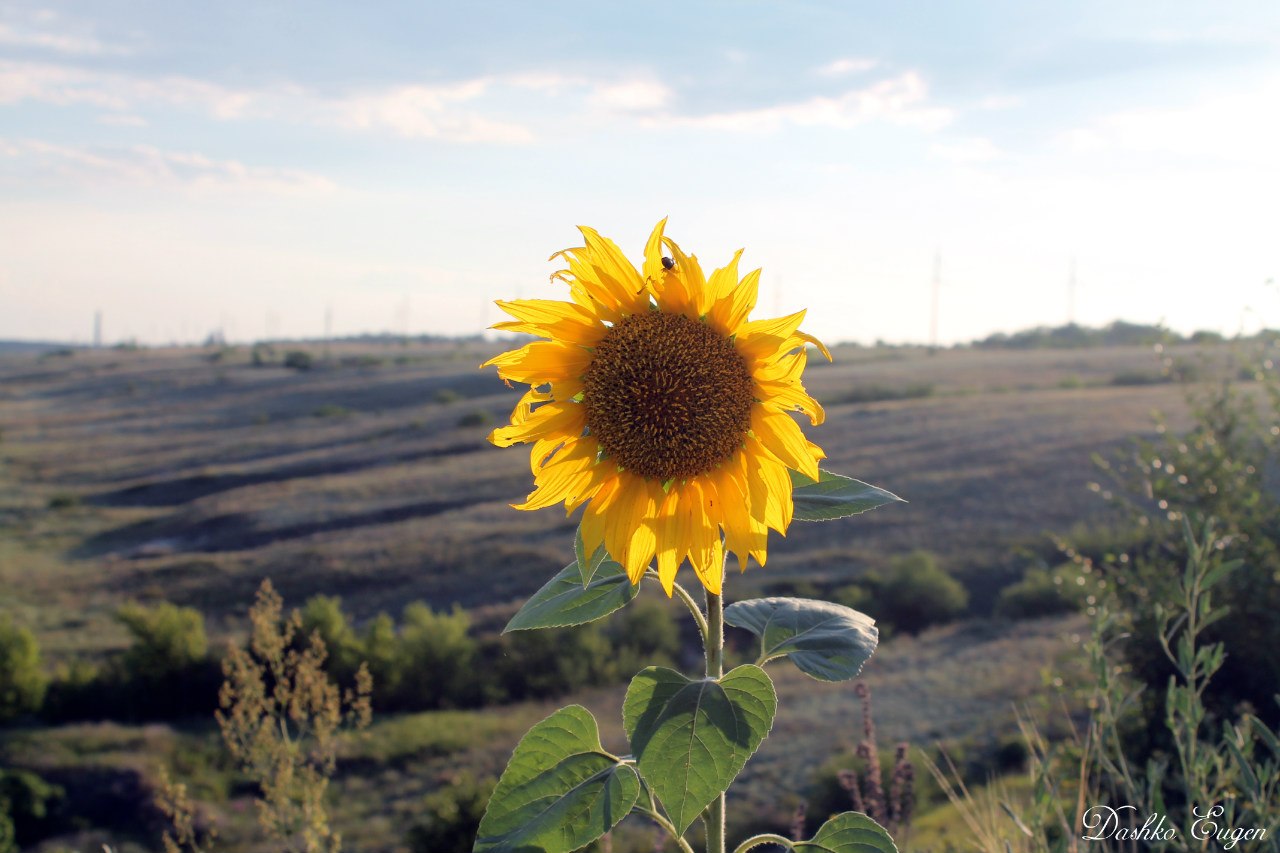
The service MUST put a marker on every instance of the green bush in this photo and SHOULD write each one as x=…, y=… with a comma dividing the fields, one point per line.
x=435, y=659
x=474, y=419
x=24, y=805
x=447, y=395
x=544, y=664
x=298, y=359
x=166, y=639
x=916, y=593
x=1222, y=467
x=451, y=815
x=322, y=614
x=22, y=680
x=1130, y=378
x=64, y=500
x=1041, y=593
x=165, y=673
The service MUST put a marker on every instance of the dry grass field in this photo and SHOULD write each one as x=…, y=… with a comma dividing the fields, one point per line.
x=189, y=475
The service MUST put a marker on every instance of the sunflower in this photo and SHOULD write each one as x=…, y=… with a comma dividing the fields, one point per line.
x=656, y=404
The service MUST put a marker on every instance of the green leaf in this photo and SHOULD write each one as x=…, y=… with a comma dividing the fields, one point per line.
x=834, y=496
x=560, y=792
x=587, y=564
x=1265, y=734
x=692, y=738
x=849, y=832
x=829, y=642
x=565, y=601
x=1250, y=779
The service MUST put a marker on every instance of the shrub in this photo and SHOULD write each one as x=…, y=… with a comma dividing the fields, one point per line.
x=298, y=359
x=22, y=681
x=451, y=816
x=1129, y=378
x=447, y=395
x=166, y=639
x=64, y=500
x=474, y=419
x=435, y=659
x=24, y=805
x=917, y=593
x=261, y=355
x=331, y=410
x=280, y=716
x=166, y=672
x=1041, y=593
x=543, y=664
x=322, y=614
x=1222, y=467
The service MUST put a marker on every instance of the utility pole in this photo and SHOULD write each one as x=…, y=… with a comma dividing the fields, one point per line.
x=937, y=290
x=97, y=329
x=1071, y=293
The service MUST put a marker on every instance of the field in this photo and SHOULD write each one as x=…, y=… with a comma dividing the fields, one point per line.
x=189, y=475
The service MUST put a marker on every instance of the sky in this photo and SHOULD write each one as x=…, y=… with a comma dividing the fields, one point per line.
x=276, y=169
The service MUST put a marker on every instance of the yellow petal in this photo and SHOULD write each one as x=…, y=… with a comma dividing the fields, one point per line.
x=563, y=479
x=782, y=437
x=790, y=398
x=720, y=289
x=615, y=272
x=776, y=482
x=563, y=420
x=653, y=268
x=810, y=339
x=558, y=321
x=684, y=287
x=593, y=517
x=763, y=339
x=706, y=553
x=668, y=548
x=541, y=362
x=742, y=301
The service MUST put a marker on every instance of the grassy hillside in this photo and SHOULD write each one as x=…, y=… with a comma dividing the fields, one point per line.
x=189, y=475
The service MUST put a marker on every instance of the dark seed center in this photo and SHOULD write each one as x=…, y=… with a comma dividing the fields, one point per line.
x=667, y=397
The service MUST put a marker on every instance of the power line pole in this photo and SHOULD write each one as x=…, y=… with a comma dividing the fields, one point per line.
x=1071, y=293
x=937, y=290
x=97, y=329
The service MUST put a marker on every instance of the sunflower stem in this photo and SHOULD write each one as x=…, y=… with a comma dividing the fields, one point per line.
x=715, y=669
x=693, y=609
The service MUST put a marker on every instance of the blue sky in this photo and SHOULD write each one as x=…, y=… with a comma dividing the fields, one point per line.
x=250, y=166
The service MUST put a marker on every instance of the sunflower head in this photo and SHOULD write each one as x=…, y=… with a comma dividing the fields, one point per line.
x=659, y=407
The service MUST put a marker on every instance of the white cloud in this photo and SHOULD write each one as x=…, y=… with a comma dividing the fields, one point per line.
x=898, y=100
x=1000, y=102
x=846, y=66
x=147, y=166
x=423, y=112
x=123, y=120
x=631, y=95
x=1241, y=128
x=46, y=30
x=66, y=85
x=969, y=150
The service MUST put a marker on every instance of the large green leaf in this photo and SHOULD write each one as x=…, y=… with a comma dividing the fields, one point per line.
x=829, y=642
x=834, y=496
x=587, y=563
x=560, y=792
x=692, y=738
x=564, y=600
x=849, y=832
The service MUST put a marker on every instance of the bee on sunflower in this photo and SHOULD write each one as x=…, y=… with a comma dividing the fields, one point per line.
x=659, y=407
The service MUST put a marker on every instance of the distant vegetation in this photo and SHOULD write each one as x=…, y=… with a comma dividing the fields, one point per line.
x=429, y=660
x=1118, y=333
